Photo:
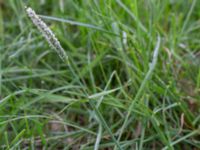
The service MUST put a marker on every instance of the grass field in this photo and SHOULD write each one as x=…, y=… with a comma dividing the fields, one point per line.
x=131, y=81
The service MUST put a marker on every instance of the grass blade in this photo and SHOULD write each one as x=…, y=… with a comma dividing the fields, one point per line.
x=142, y=87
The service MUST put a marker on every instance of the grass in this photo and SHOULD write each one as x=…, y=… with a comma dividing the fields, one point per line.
x=132, y=81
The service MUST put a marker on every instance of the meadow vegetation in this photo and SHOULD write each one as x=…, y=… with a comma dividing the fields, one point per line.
x=131, y=80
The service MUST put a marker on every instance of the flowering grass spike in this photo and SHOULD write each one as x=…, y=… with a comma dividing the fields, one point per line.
x=47, y=33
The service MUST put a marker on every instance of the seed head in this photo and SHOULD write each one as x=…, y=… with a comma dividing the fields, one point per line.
x=47, y=33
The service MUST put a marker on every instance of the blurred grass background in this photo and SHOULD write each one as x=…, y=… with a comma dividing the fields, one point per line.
x=110, y=43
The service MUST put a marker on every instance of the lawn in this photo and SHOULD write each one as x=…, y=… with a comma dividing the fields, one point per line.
x=100, y=75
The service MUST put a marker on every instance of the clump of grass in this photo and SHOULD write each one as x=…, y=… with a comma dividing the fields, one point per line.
x=118, y=92
x=55, y=44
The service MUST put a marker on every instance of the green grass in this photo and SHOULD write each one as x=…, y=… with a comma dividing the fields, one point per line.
x=132, y=81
